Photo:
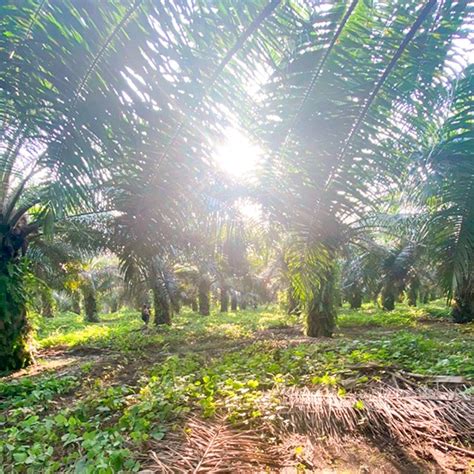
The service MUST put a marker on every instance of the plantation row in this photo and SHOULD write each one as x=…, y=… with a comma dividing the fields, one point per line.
x=359, y=122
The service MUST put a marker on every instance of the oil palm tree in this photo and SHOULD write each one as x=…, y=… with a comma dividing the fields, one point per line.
x=97, y=277
x=342, y=115
x=58, y=99
x=362, y=271
x=95, y=96
x=449, y=192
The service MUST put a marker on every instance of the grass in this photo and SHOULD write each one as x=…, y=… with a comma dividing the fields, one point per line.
x=403, y=315
x=118, y=331
x=124, y=331
x=96, y=417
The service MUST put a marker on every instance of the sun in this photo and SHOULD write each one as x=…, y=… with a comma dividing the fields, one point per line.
x=237, y=155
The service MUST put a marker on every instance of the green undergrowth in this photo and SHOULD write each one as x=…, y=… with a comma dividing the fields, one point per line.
x=403, y=315
x=85, y=423
x=124, y=331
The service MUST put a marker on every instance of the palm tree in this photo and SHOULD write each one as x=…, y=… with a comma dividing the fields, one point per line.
x=362, y=270
x=95, y=96
x=97, y=277
x=58, y=89
x=165, y=290
x=449, y=192
x=341, y=116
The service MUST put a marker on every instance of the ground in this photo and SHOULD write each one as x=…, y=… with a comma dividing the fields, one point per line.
x=236, y=393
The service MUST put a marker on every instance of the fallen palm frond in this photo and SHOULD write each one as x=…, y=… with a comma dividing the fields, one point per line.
x=410, y=417
x=308, y=422
x=209, y=446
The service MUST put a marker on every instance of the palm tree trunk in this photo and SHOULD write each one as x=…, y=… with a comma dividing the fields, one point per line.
x=47, y=303
x=76, y=303
x=114, y=306
x=224, y=294
x=355, y=297
x=204, y=296
x=412, y=295
x=463, y=308
x=162, y=306
x=14, y=350
x=233, y=301
x=90, y=304
x=321, y=317
x=389, y=295
x=424, y=297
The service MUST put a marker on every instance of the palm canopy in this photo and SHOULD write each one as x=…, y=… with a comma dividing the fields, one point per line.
x=357, y=91
x=107, y=106
x=90, y=92
x=115, y=106
x=448, y=189
x=344, y=115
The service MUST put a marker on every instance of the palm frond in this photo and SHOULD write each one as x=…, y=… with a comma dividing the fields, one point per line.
x=212, y=446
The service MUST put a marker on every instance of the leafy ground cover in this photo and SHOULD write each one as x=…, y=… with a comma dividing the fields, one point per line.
x=126, y=387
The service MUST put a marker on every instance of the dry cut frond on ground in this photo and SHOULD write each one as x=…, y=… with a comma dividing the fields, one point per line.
x=438, y=417
x=209, y=446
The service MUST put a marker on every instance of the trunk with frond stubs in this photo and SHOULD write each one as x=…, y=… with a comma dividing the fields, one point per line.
x=14, y=349
x=76, y=302
x=47, y=303
x=463, y=307
x=412, y=296
x=321, y=312
x=224, y=299
x=389, y=296
x=162, y=306
x=233, y=301
x=15, y=352
x=90, y=304
x=114, y=306
x=355, y=297
x=204, y=296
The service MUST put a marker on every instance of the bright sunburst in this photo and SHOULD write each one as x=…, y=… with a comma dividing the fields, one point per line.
x=237, y=155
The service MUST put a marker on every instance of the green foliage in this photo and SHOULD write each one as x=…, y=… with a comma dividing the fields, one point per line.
x=119, y=331
x=423, y=353
x=451, y=185
x=27, y=392
x=49, y=440
x=82, y=422
x=14, y=347
x=370, y=315
x=123, y=331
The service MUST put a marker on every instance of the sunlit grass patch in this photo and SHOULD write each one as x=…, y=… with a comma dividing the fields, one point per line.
x=124, y=330
x=437, y=309
x=403, y=315
x=371, y=315
x=120, y=331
